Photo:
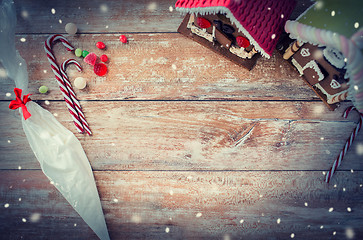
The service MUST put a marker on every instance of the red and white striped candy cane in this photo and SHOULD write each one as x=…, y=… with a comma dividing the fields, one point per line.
x=348, y=143
x=73, y=94
x=55, y=68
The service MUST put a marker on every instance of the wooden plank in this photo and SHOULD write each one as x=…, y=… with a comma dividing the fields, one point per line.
x=112, y=16
x=211, y=205
x=160, y=66
x=133, y=135
x=95, y=16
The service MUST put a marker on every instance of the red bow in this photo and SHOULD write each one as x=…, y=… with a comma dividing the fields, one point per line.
x=15, y=104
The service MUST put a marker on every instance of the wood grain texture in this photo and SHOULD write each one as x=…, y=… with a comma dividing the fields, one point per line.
x=97, y=16
x=186, y=144
x=160, y=67
x=191, y=135
x=93, y=16
x=192, y=205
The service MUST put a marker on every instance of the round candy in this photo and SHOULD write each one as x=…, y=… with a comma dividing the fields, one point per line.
x=43, y=89
x=203, y=23
x=85, y=53
x=100, y=45
x=71, y=28
x=242, y=42
x=123, y=39
x=78, y=52
x=100, y=69
x=104, y=58
x=80, y=82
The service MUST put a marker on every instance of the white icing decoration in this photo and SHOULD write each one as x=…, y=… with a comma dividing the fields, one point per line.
x=312, y=64
x=198, y=31
x=305, y=52
x=328, y=96
x=298, y=66
x=228, y=13
x=241, y=52
x=335, y=84
x=334, y=57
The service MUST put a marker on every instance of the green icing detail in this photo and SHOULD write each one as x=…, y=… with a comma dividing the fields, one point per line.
x=341, y=16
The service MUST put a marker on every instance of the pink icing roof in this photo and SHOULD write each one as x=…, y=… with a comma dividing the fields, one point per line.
x=262, y=21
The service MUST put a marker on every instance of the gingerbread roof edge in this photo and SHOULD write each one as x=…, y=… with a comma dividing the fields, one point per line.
x=261, y=21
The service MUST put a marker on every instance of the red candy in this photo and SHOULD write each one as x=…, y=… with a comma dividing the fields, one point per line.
x=203, y=23
x=123, y=39
x=100, y=45
x=242, y=41
x=100, y=69
x=104, y=58
x=91, y=59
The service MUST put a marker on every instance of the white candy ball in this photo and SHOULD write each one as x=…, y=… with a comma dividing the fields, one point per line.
x=71, y=28
x=80, y=82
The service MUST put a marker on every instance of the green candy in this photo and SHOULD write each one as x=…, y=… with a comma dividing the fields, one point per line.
x=78, y=52
x=85, y=53
x=43, y=89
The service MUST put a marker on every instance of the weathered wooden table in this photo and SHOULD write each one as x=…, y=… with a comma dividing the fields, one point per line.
x=186, y=144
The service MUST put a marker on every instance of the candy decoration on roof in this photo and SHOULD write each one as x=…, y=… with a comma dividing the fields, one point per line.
x=203, y=23
x=335, y=25
x=260, y=22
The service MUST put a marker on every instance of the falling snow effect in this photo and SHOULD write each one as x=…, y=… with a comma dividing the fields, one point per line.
x=359, y=149
x=52, y=11
x=103, y=8
x=24, y=14
x=349, y=233
x=3, y=73
x=35, y=217
x=152, y=6
x=136, y=219
x=198, y=215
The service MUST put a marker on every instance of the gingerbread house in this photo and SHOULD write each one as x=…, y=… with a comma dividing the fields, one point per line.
x=239, y=30
x=328, y=50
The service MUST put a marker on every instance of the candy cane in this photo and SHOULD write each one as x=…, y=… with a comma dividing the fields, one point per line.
x=348, y=143
x=73, y=94
x=51, y=58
